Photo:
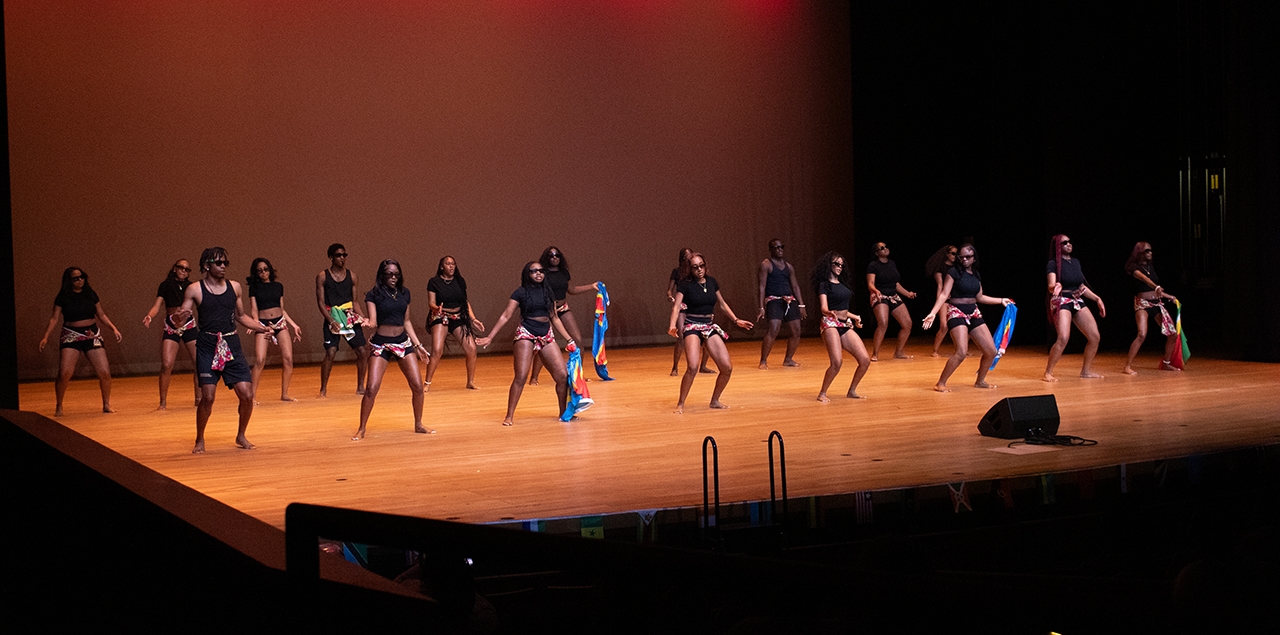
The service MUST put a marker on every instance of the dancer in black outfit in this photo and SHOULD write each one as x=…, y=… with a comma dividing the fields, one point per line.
x=266, y=305
x=701, y=294
x=395, y=340
x=335, y=287
x=175, y=336
x=78, y=309
x=1149, y=299
x=556, y=270
x=961, y=292
x=885, y=285
x=936, y=268
x=1067, y=290
x=780, y=300
x=677, y=351
x=831, y=283
x=451, y=314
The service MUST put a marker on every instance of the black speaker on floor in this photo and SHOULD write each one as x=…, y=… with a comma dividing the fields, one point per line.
x=1021, y=417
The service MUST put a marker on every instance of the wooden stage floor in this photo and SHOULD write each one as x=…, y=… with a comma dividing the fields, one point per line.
x=630, y=452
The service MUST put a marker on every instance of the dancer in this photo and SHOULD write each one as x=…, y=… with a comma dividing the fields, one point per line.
x=831, y=283
x=78, y=308
x=556, y=271
x=334, y=291
x=451, y=314
x=780, y=301
x=169, y=298
x=962, y=290
x=536, y=302
x=677, y=351
x=1067, y=290
x=218, y=352
x=885, y=285
x=1149, y=299
x=937, y=267
x=701, y=294
x=395, y=340
x=266, y=304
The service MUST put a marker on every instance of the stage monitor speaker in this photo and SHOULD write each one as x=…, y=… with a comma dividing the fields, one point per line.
x=1021, y=417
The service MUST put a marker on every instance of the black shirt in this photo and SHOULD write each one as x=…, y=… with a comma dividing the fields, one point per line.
x=450, y=294
x=77, y=306
x=217, y=312
x=838, y=295
x=268, y=294
x=558, y=280
x=887, y=276
x=1071, y=276
x=699, y=297
x=172, y=291
x=965, y=285
x=391, y=308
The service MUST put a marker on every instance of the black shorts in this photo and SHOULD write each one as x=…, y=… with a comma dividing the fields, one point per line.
x=782, y=310
x=332, y=339
x=967, y=309
x=84, y=346
x=236, y=369
x=893, y=301
x=188, y=335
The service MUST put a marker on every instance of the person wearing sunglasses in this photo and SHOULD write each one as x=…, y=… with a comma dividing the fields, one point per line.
x=80, y=312
x=700, y=294
x=175, y=336
x=451, y=314
x=962, y=291
x=218, y=353
x=831, y=284
x=1149, y=301
x=678, y=274
x=936, y=268
x=885, y=285
x=343, y=317
x=1067, y=293
x=536, y=302
x=388, y=304
x=556, y=270
x=266, y=305
x=780, y=301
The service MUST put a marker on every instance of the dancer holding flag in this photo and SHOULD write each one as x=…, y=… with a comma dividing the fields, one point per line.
x=343, y=317
x=556, y=270
x=701, y=294
x=1149, y=300
x=536, y=303
x=962, y=291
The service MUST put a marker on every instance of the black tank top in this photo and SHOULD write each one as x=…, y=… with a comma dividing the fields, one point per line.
x=217, y=312
x=778, y=281
x=337, y=293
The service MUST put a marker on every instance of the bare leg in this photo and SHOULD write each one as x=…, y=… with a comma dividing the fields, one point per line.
x=1061, y=322
x=719, y=355
x=904, y=331
x=1141, y=317
x=362, y=367
x=554, y=362
x=468, y=342
x=1170, y=343
x=1089, y=326
x=326, y=365
x=676, y=351
x=521, y=360
x=377, y=366
x=67, y=360
x=959, y=336
x=702, y=368
x=766, y=344
x=982, y=336
x=203, y=410
x=854, y=345
x=881, y=312
x=831, y=338
x=409, y=366
x=259, y=361
x=245, y=392
x=438, y=333
x=195, y=378
x=793, y=343
x=286, y=365
x=168, y=355
x=942, y=333
x=693, y=353
x=98, y=358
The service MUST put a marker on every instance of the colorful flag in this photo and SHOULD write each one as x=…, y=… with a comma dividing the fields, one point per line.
x=1181, y=352
x=1005, y=332
x=579, y=398
x=344, y=315
x=597, y=335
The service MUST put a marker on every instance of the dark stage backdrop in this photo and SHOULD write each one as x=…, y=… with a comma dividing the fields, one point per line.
x=141, y=132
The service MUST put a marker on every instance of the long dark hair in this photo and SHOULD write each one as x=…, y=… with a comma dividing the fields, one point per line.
x=688, y=266
x=465, y=312
x=253, y=278
x=381, y=286
x=822, y=270
x=937, y=263
x=526, y=281
x=545, y=259
x=66, y=280
x=173, y=270
x=683, y=267
x=1135, y=259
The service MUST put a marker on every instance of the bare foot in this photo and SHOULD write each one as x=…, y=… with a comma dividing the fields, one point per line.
x=1090, y=376
x=256, y=403
x=875, y=358
x=983, y=384
x=941, y=388
x=508, y=422
x=287, y=398
x=706, y=370
x=358, y=435
x=1128, y=370
x=199, y=449
x=675, y=373
x=679, y=410
x=107, y=409
x=244, y=443
x=58, y=412
x=901, y=356
x=421, y=429
x=162, y=406
x=533, y=382
x=935, y=354
x=823, y=398
x=791, y=363
x=1167, y=366
x=360, y=391
x=472, y=387
x=764, y=365
x=1048, y=377
x=719, y=406
x=322, y=395
x=854, y=395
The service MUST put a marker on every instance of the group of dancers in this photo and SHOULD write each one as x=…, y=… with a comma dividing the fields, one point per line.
x=202, y=318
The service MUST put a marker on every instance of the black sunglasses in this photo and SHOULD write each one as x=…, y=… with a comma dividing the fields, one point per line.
x=220, y=263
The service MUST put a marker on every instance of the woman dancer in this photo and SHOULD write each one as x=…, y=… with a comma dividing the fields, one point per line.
x=78, y=308
x=885, y=285
x=538, y=315
x=677, y=352
x=962, y=290
x=451, y=314
x=1067, y=290
x=937, y=267
x=169, y=298
x=701, y=294
x=1149, y=299
x=832, y=286
x=395, y=340
x=266, y=305
x=556, y=270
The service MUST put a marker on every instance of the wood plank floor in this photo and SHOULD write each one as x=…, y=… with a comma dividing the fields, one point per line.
x=630, y=452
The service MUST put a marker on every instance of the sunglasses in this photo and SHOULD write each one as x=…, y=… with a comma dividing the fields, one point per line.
x=180, y=268
x=263, y=270
x=1065, y=242
x=538, y=270
x=391, y=274
x=882, y=247
x=951, y=253
x=970, y=256
x=77, y=278
x=340, y=255
x=219, y=263
x=837, y=264
x=1147, y=250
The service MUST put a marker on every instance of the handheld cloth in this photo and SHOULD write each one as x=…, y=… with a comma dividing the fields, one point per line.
x=597, y=335
x=579, y=397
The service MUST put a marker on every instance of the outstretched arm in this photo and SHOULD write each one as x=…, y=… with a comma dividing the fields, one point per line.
x=512, y=305
x=724, y=306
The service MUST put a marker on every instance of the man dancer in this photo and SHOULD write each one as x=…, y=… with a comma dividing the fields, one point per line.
x=334, y=291
x=218, y=352
x=780, y=300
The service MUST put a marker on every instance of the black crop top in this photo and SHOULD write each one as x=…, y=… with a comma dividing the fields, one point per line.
x=838, y=295
x=1071, y=277
x=699, y=297
x=268, y=294
x=532, y=301
x=390, y=308
x=887, y=276
x=558, y=280
x=172, y=291
x=449, y=294
x=77, y=306
x=1141, y=287
x=965, y=284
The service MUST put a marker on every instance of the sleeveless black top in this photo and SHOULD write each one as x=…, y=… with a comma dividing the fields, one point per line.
x=217, y=311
